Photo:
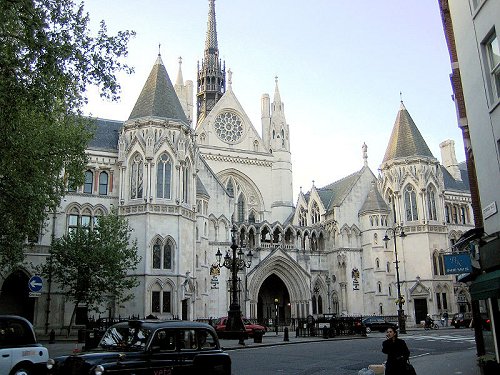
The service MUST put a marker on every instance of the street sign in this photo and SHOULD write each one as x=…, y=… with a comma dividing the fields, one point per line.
x=35, y=284
x=35, y=294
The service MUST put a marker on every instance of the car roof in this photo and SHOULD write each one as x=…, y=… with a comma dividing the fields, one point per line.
x=154, y=324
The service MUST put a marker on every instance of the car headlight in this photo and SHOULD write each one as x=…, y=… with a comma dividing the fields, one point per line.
x=99, y=370
x=50, y=363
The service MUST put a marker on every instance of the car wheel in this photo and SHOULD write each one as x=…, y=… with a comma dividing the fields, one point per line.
x=22, y=370
x=368, y=329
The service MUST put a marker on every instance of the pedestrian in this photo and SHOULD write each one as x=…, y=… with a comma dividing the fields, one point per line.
x=445, y=316
x=397, y=353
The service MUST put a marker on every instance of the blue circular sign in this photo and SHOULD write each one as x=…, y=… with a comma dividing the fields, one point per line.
x=35, y=284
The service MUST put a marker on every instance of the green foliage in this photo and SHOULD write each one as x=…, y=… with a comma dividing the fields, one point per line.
x=92, y=266
x=47, y=60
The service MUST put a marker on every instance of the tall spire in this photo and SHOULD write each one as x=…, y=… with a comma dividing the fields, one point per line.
x=212, y=75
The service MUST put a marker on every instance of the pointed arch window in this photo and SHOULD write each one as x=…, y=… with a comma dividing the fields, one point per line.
x=230, y=188
x=431, y=203
x=411, y=203
x=241, y=208
x=103, y=183
x=162, y=255
x=379, y=287
x=157, y=255
x=136, y=183
x=164, y=177
x=89, y=182
x=167, y=256
x=314, y=306
x=185, y=184
x=302, y=217
x=315, y=215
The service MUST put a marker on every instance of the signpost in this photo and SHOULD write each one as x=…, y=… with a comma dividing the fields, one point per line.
x=35, y=285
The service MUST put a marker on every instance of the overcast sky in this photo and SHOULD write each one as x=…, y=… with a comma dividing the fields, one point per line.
x=341, y=66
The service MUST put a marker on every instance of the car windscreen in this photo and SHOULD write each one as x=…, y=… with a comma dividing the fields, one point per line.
x=125, y=338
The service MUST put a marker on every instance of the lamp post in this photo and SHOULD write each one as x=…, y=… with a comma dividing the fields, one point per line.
x=328, y=282
x=235, y=262
x=276, y=301
x=397, y=231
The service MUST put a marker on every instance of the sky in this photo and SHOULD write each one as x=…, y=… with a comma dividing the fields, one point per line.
x=342, y=67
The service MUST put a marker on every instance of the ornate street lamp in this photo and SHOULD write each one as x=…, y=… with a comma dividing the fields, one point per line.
x=328, y=283
x=235, y=262
x=397, y=231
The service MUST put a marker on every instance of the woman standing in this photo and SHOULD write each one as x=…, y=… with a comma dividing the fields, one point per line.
x=397, y=353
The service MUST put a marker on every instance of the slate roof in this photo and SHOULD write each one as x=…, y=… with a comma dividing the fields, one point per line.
x=333, y=194
x=106, y=135
x=200, y=188
x=454, y=185
x=158, y=97
x=374, y=202
x=406, y=139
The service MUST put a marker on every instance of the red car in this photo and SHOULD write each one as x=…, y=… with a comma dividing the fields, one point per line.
x=220, y=325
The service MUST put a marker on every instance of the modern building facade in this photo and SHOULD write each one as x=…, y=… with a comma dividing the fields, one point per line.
x=472, y=33
x=185, y=183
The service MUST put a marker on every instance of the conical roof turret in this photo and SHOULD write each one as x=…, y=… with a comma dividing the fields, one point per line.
x=406, y=140
x=158, y=97
x=374, y=202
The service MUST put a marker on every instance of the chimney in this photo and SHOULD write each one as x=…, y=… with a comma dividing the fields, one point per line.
x=449, y=158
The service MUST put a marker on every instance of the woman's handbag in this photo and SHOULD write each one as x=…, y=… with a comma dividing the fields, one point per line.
x=410, y=370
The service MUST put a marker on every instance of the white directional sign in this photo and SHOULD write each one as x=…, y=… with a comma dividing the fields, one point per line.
x=35, y=284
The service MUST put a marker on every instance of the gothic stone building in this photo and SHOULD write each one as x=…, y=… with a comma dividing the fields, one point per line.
x=183, y=185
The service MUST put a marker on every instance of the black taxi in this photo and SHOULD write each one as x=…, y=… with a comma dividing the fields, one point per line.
x=150, y=347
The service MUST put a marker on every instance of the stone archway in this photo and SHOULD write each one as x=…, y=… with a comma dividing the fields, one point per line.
x=273, y=301
x=14, y=296
x=292, y=282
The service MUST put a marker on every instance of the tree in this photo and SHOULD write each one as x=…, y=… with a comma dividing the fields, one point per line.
x=92, y=265
x=47, y=60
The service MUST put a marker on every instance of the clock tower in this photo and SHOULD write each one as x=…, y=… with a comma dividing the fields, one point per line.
x=212, y=73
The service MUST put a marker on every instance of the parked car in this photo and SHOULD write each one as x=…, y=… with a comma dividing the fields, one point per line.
x=150, y=347
x=20, y=353
x=377, y=323
x=250, y=328
x=461, y=320
x=465, y=320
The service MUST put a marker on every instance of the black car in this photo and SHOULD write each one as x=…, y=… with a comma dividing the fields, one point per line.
x=377, y=323
x=150, y=347
x=465, y=320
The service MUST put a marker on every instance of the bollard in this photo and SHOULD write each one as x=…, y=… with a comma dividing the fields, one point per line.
x=52, y=337
x=285, y=334
x=276, y=329
x=297, y=332
x=325, y=332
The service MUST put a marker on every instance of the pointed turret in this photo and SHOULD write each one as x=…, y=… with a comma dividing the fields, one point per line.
x=211, y=76
x=374, y=203
x=158, y=97
x=406, y=139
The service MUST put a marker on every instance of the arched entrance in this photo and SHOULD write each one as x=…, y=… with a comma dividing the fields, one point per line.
x=14, y=296
x=273, y=301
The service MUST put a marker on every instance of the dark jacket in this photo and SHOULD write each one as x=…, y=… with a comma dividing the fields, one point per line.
x=397, y=355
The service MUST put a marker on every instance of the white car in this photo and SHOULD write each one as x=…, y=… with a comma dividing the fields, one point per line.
x=20, y=353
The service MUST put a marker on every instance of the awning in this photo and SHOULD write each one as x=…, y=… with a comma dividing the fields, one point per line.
x=486, y=285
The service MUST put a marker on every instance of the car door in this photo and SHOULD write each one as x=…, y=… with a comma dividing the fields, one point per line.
x=5, y=360
x=164, y=352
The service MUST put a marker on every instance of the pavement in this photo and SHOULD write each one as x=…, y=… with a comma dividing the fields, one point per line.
x=460, y=363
